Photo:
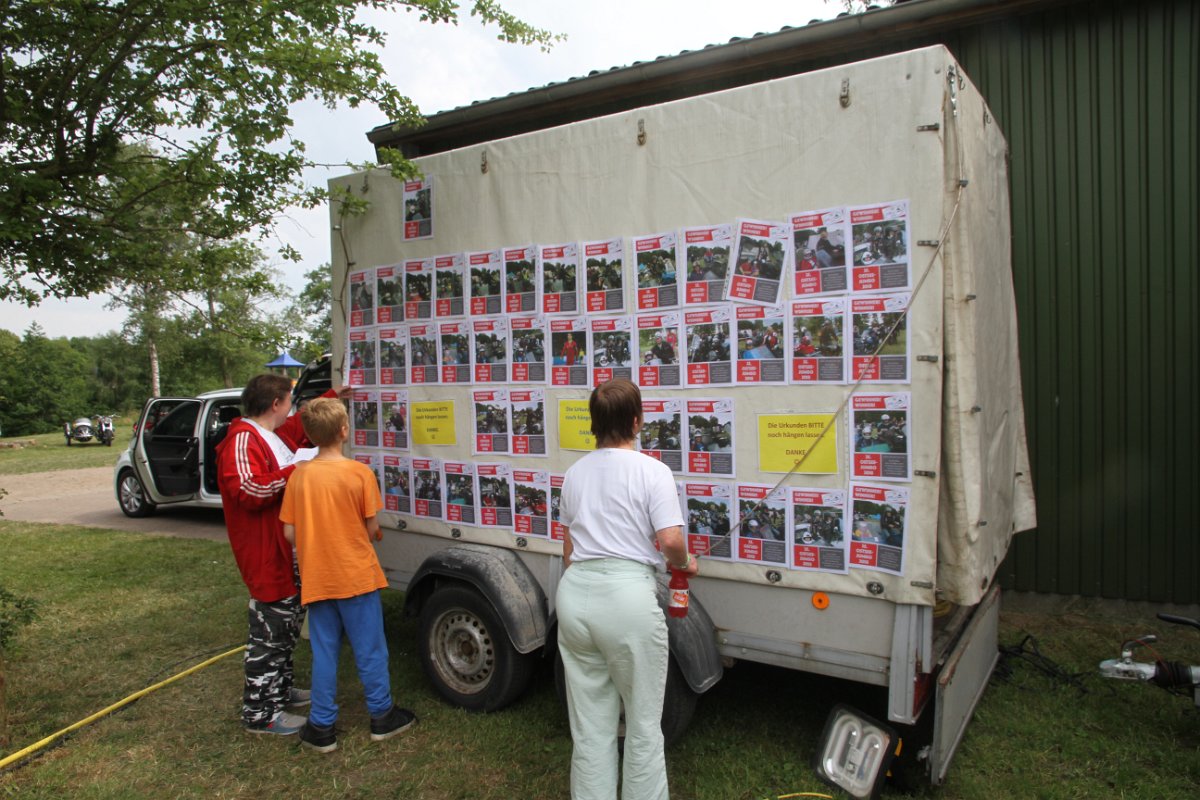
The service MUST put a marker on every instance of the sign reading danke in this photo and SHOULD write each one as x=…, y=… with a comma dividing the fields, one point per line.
x=784, y=439
x=575, y=425
x=433, y=423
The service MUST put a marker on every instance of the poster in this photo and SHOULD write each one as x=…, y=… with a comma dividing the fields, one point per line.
x=575, y=425
x=610, y=341
x=362, y=298
x=454, y=352
x=461, y=503
x=661, y=435
x=819, y=243
x=761, y=344
x=761, y=255
x=786, y=439
x=559, y=267
x=448, y=281
x=528, y=421
x=761, y=535
x=879, y=330
x=394, y=406
x=817, y=519
x=708, y=509
x=657, y=271
x=491, y=421
x=531, y=502
x=393, y=355
x=486, y=281
x=418, y=209
x=495, y=495
x=710, y=446
x=879, y=429
x=389, y=294
x=373, y=462
x=658, y=355
x=604, y=266
x=361, y=349
x=489, y=344
x=423, y=350
x=882, y=255
x=397, y=483
x=433, y=423
x=707, y=257
x=707, y=335
x=878, y=519
x=528, y=363
x=568, y=344
x=427, y=487
x=818, y=333
x=418, y=288
x=364, y=418
x=520, y=280
x=558, y=531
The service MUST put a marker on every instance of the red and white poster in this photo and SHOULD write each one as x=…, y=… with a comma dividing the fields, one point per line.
x=878, y=519
x=461, y=504
x=819, y=242
x=661, y=435
x=882, y=252
x=610, y=341
x=710, y=445
x=762, y=251
x=568, y=346
x=708, y=509
x=364, y=418
x=495, y=495
x=708, y=334
x=817, y=519
x=761, y=535
x=559, y=267
x=428, y=492
x=879, y=328
x=657, y=259
x=397, y=483
x=362, y=298
x=489, y=343
x=389, y=294
x=393, y=355
x=454, y=353
x=528, y=421
x=485, y=281
x=818, y=333
x=418, y=209
x=423, y=351
x=706, y=258
x=374, y=463
x=879, y=429
x=491, y=421
x=528, y=364
x=448, y=290
x=418, y=288
x=761, y=345
x=531, y=498
x=604, y=266
x=658, y=354
x=394, y=406
x=558, y=531
x=361, y=352
x=521, y=280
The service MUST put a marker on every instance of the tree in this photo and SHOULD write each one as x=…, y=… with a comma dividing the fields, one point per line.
x=46, y=384
x=204, y=88
x=312, y=312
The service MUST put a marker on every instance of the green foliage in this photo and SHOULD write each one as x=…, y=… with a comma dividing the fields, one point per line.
x=84, y=84
x=312, y=314
x=44, y=383
x=16, y=611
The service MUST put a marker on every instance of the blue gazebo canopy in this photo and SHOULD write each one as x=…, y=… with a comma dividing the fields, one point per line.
x=284, y=359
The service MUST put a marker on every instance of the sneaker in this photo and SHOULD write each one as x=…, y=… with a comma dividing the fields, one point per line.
x=299, y=697
x=396, y=720
x=323, y=740
x=283, y=724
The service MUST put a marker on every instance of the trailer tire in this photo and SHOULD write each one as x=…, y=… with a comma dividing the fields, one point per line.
x=466, y=651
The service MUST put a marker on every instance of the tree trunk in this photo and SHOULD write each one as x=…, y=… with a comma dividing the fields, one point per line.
x=154, y=385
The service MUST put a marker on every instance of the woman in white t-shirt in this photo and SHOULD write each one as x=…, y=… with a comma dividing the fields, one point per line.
x=612, y=635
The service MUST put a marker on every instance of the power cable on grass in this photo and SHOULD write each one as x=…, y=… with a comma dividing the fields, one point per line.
x=1027, y=650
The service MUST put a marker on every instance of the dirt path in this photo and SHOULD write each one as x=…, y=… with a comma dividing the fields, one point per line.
x=86, y=497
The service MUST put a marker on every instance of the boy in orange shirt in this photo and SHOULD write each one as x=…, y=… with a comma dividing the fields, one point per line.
x=328, y=512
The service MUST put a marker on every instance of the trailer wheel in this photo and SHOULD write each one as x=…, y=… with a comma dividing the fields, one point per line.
x=679, y=701
x=131, y=496
x=466, y=652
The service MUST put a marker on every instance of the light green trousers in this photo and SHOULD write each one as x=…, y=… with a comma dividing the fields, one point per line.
x=613, y=640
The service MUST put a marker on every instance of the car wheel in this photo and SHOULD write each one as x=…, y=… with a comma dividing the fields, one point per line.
x=466, y=652
x=131, y=496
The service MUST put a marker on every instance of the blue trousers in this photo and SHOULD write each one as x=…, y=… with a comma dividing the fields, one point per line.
x=361, y=618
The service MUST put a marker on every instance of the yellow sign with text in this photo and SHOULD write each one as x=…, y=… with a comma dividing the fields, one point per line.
x=784, y=439
x=433, y=423
x=575, y=426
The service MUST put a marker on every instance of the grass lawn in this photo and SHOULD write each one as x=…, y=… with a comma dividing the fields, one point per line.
x=122, y=611
x=50, y=452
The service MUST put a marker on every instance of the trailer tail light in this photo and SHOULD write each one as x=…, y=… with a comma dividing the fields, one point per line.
x=855, y=752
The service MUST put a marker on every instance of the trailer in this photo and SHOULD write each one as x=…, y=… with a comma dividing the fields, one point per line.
x=909, y=168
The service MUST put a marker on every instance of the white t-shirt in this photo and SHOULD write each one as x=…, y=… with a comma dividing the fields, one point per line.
x=283, y=453
x=614, y=500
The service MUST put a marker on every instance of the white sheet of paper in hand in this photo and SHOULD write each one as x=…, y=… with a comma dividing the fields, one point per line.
x=305, y=454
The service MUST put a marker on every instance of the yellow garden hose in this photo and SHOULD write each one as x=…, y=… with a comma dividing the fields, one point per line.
x=36, y=746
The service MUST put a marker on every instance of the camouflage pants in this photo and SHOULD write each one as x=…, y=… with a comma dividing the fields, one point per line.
x=274, y=629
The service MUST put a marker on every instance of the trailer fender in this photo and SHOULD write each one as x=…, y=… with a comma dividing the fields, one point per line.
x=501, y=577
x=693, y=642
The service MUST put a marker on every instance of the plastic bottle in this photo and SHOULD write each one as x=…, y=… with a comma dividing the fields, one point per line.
x=679, y=593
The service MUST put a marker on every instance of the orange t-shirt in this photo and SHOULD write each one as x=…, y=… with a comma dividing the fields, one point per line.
x=327, y=502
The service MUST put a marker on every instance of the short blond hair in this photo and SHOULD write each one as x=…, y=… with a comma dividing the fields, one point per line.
x=323, y=420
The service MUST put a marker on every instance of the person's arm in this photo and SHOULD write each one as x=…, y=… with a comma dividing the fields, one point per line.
x=289, y=533
x=568, y=548
x=373, y=530
x=673, y=546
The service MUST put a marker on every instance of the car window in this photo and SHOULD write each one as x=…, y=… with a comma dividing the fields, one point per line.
x=178, y=421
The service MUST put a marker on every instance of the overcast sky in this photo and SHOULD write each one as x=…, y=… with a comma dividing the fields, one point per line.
x=443, y=67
